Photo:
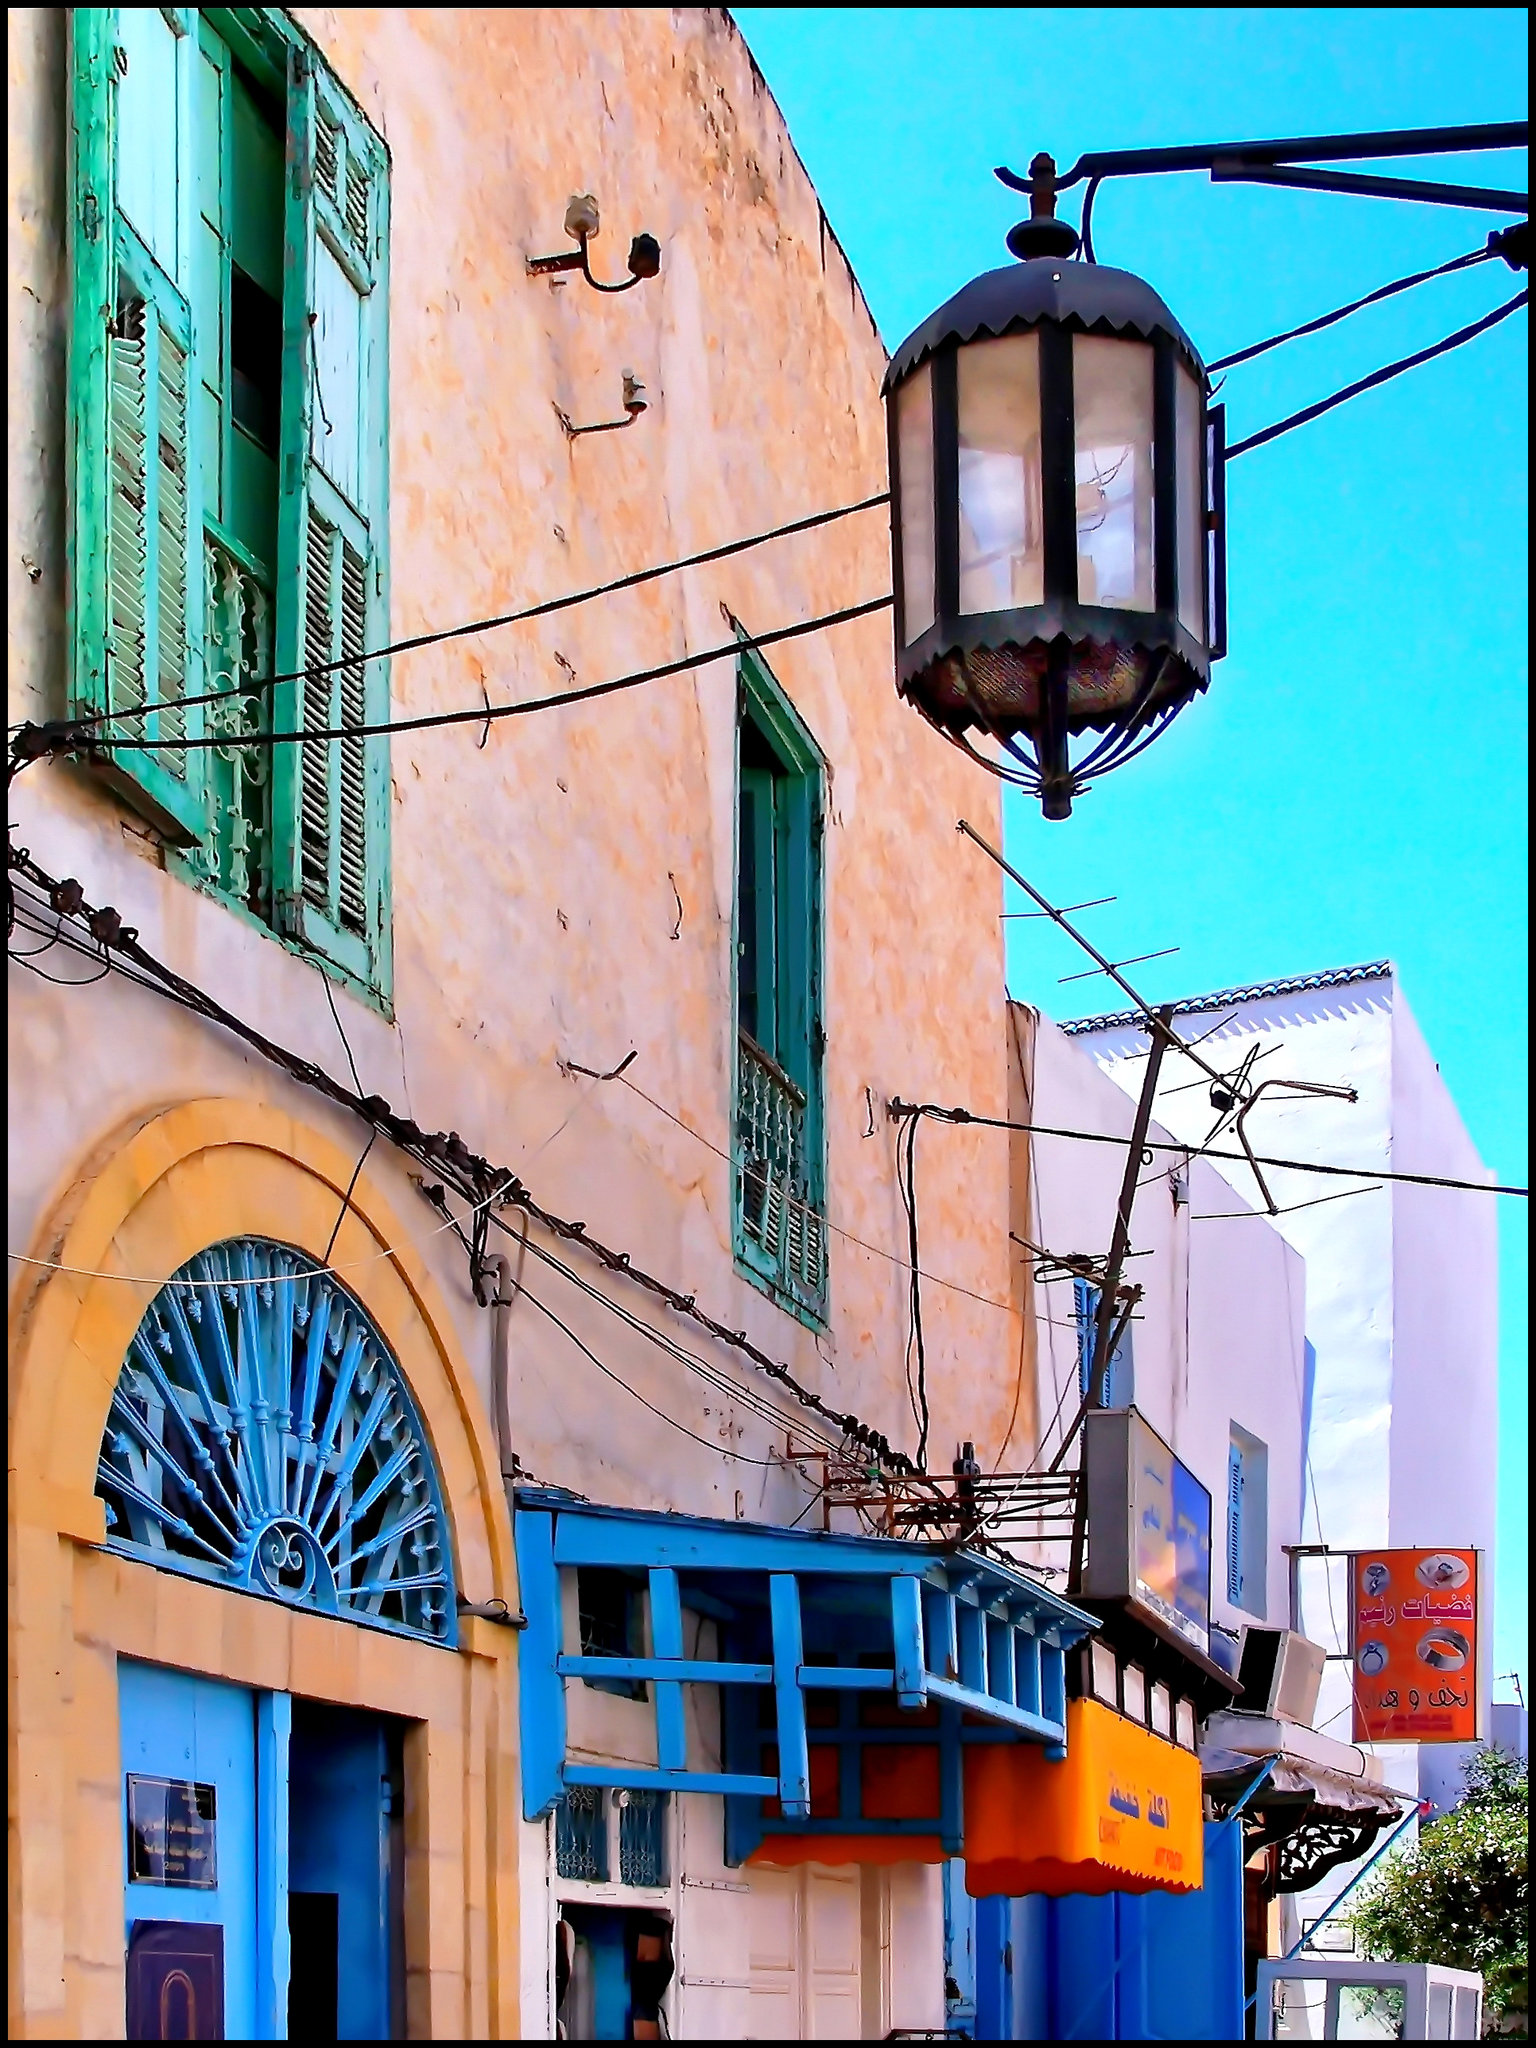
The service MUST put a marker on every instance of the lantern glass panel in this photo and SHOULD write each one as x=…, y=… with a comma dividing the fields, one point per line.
x=1112, y=403
x=914, y=461
x=1002, y=553
x=1189, y=440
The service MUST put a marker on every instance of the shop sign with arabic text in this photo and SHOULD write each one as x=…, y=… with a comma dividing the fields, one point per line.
x=1413, y=1637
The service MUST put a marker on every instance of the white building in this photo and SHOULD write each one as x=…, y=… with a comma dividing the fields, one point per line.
x=1216, y=1352
x=1401, y=1391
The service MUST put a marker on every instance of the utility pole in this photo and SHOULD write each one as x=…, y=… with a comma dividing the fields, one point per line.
x=1107, y=1327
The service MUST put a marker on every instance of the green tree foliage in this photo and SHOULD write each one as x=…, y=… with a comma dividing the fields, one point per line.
x=1461, y=1896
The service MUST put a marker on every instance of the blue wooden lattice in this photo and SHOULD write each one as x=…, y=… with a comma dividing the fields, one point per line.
x=965, y=1648
x=262, y=1436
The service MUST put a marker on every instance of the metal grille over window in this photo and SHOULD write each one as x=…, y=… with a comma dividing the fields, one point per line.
x=239, y=780
x=581, y=1835
x=261, y=1436
x=776, y=1210
x=642, y=1838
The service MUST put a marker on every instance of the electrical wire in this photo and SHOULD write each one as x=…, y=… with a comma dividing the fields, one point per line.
x=536, y=611
x=794, y=1201
x=1239, y=1215
x=59, y=980
x=1424, y=1180
x=917, y=1388
x=1385, y=291
x=446, y=1154
x=723, y=1450
x=346, y=1200
x=64, y=735
x=747, y=1397
x=1382, y=376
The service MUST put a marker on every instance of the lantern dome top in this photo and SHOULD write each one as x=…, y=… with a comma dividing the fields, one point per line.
x=1088, y=296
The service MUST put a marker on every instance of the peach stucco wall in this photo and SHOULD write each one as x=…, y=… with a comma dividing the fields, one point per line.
x=564, y=892
x=534, y=878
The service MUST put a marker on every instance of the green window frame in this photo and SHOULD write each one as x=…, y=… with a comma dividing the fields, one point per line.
x=204, y=554
x=779, y=1143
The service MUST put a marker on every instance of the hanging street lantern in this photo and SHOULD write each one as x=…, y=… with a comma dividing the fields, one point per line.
x=1056, y=515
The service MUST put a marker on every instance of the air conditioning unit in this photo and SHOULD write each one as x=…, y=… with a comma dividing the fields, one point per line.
x=1280, y=1673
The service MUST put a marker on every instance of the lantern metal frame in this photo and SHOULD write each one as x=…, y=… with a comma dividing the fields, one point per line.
x=1179, y=669
x=1058, y=299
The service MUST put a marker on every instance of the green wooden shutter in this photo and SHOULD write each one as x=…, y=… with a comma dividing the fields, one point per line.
x=135, y=584
x=331, y=797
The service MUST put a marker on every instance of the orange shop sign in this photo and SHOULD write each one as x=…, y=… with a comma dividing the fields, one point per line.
x=1413, y=1636
x=1120, y=1813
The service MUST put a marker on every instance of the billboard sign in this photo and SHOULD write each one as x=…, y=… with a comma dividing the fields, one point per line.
x=1413, y=1638
x=1149, y=1528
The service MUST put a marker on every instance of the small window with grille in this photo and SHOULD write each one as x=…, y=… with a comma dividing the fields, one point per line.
x=581, y=1834
x=1118, y=1389
x=1247, y=1522
x=601, y=1834
x=642, y=1837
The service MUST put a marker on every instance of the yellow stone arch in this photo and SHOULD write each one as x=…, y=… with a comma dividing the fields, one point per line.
x=177, y=1183
x=152, y=1196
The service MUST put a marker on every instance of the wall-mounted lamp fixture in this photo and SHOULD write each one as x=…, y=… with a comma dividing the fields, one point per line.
x=635, y=402
x=581, y=224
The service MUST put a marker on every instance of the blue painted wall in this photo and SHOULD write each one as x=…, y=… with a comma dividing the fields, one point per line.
x=1120, y=1968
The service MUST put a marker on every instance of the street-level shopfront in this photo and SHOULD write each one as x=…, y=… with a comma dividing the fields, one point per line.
x=1095, y=1902
x=269, y=1776
x=256, y=1738
x=751, y=1751
x=263, y=1772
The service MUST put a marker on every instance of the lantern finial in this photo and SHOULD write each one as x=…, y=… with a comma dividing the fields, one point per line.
x=1042, y=234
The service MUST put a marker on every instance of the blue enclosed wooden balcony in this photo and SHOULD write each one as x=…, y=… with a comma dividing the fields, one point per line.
x=826, y=1643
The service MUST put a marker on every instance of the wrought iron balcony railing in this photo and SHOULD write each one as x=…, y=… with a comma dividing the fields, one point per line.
x=782, y=1223
x=239, y=650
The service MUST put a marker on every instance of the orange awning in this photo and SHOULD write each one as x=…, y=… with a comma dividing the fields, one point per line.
x=1121, y=1813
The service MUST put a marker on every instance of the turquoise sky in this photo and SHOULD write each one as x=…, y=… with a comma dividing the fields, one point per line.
x=1354, y=784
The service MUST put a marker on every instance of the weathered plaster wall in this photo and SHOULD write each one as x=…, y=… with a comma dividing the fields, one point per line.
x=1218, y=1336
x=534, y=878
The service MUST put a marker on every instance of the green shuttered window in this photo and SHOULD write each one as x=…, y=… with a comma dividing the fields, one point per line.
x=781, y=1232
x=228, y=472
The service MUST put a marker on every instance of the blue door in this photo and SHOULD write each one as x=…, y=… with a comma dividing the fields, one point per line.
x=1116, y=1968
x=189, y=1855
x=346, y=1981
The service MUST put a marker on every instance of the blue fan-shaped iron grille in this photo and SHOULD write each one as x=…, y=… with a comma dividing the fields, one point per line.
x=261, y=1435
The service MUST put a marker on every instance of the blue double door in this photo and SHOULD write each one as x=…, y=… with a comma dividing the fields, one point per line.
x=262, y=1864
x=1116, y=1968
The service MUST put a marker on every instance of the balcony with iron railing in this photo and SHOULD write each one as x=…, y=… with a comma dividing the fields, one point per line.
x=782, y=1227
